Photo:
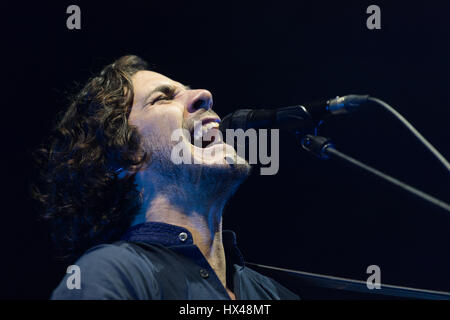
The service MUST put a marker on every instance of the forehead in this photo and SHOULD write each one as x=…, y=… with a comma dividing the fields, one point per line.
x=145, y=81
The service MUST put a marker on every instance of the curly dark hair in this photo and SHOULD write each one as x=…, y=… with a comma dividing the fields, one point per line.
x=81, y=193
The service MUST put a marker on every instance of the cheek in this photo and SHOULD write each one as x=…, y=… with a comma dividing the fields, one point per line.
x=160, y=121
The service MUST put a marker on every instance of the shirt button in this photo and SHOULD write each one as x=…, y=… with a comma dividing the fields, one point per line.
x=183, y=236
x=204, y=274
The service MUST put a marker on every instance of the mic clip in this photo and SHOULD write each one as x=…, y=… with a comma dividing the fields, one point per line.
x=316, y=145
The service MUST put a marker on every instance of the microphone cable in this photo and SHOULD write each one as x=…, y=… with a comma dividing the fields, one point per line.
x=414, y=132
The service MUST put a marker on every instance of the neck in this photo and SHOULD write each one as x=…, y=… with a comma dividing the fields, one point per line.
x=193, y=197
x=203, y=222
x=199, y=213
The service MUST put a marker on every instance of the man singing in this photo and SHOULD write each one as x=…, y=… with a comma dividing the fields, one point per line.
x=152, y=228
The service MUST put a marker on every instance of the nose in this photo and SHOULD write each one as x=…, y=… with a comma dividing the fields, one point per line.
x=200, y=99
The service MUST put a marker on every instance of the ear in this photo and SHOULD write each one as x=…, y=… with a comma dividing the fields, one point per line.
x=121, y=173
x=133, y=169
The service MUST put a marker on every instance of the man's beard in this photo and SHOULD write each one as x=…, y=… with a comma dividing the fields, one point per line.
x=196, y=183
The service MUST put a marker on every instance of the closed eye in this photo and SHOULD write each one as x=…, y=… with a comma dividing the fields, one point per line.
x=161, y=98
x=166, y=93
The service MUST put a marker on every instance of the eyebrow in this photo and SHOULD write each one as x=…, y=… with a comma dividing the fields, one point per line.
x=166, y=89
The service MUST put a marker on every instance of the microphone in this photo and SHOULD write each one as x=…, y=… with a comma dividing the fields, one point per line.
x=297, y=118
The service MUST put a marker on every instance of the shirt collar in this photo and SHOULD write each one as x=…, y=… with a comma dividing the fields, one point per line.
x=169, y=235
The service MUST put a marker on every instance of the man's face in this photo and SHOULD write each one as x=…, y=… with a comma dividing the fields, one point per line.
x=162, y=106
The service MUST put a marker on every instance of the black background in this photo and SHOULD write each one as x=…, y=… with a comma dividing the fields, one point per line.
x=316, y=216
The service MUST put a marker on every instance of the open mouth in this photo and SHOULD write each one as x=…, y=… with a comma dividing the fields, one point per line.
x=202, y=134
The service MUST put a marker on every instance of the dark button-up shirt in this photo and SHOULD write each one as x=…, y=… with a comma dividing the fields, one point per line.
x=160, y=261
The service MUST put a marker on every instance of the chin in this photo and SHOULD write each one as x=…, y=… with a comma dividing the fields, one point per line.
x=212, y=170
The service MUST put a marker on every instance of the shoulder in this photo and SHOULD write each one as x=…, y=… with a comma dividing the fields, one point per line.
x=116, y=255
x=109, y=271
x=123, y=258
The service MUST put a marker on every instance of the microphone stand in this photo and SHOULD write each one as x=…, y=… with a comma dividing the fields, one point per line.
x=313, y=286
x=323, y=148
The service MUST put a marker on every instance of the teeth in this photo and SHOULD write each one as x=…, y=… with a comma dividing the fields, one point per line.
x=198, y=133
x=210, y=125
x=204, y=129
